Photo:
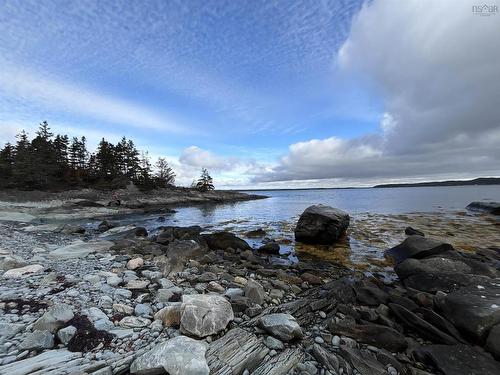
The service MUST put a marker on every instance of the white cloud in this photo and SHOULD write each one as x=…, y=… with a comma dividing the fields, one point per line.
x=437, y=69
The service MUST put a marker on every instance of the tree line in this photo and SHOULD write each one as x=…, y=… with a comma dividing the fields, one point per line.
x=58, y=162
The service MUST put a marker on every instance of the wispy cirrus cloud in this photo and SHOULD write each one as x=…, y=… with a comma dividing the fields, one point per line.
x=23, y=85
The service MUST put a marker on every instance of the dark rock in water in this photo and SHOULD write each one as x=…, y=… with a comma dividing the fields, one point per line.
x=417, y=247
x=86, y=203
x=457, y=360
x=257, y=233
x=271, y=247
x=372, y=334
x=409, y=231
x=225, y=240
x=416, y=324
x=169, y=234
x=370, y=295
x=321, y=225
x=474, y=309
x=141, y=232
x=489, y=207
x=104, y=226
x=493, y=342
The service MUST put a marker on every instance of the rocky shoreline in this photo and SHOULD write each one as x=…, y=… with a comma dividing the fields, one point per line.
x=184, y=301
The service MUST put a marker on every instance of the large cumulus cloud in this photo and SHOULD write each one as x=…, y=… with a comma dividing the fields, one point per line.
x=437, y=68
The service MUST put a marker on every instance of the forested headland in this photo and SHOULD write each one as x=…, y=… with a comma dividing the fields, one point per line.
x=57, y=162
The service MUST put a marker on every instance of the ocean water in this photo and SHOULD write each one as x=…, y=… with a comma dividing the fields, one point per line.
x=285, y=205
x=378, y=218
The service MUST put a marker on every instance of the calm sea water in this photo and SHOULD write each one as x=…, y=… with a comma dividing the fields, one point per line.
x=286, y=205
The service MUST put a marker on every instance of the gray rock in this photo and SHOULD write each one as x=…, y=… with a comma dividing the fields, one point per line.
x=457, y=360
x=178, y=356
x=204, y=314
x=134, y=322
x=232, y=293
x=7, y=330
x=474, y=309
x=51, y=361
x=273, y=343
x=255, y=292
x=225, y=240
x=54, y=318
x=80, y=249
x=235, y=352
x=321, y=225
x=281, y=326
x=417, y=247
x=143, y=310
x=170, y=315
x=37, y=340
x=490, y=207
x=493, y=342
x=66, y=334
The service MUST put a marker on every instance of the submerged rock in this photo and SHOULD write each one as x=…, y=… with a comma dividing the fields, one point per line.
x=321, y=225
x=490, y=207
x=225, y=240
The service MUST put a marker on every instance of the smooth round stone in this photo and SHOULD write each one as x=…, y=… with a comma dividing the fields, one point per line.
x=336, y=341
x=322, y=314
x=319, y=340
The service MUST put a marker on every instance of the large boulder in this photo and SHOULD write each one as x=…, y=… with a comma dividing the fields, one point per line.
x=457, y=360
x=417, y=247
x=204, y=314
x=321, y=225
x=282, y=326
x=178, y=356
x=225, y=240
x=177, y=254
x=474, y=309
x=18, y=273
x=489, y=207
x=255, y=292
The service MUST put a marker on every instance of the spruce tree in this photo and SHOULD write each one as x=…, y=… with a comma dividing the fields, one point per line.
x=205, y=182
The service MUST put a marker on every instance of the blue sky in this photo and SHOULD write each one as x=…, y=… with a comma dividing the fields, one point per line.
x=236, y=86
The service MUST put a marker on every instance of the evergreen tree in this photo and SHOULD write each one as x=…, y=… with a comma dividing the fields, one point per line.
x=205, y=182
x=61, y=145
x=43, y=161
x=145, y=169
x=105, y=160
x=132, y=161
x=6, y=163
x=22, y=168
x=164, y=172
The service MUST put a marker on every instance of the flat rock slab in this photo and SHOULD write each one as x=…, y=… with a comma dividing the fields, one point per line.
x=80, y=249
x=474, y=309
x=457, y=360
x=281, y=364
x=372, y=334
x=178, y=356
x=52, y=360
x=322, y=225
x=236, y=351
x=18, y=273
x=417, y=247
x=362, y=361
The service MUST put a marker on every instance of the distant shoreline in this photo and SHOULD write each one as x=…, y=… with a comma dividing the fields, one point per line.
x=481, y=181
